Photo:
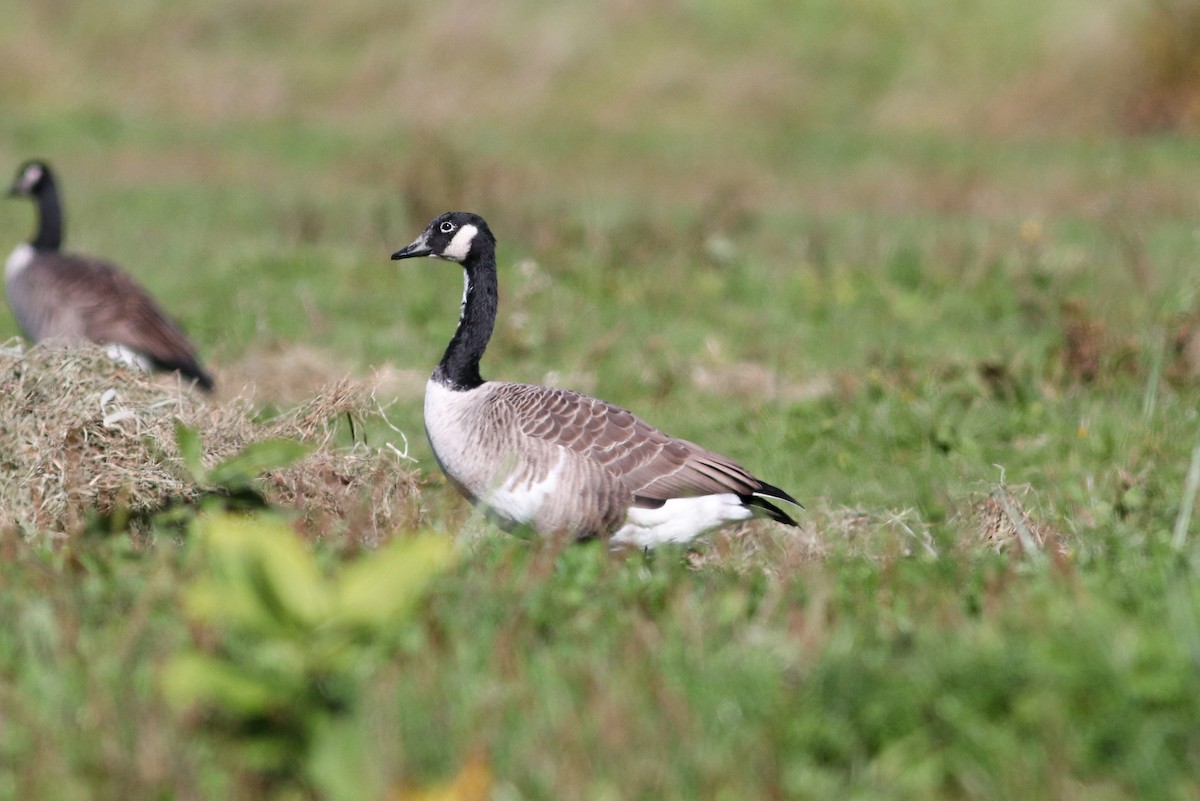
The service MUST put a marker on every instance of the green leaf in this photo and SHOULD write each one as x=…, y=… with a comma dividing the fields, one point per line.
x=191, y=450
x=339, y=762
x=263, y=577
x=255, y=459
x=382, y=587
x=191, y=678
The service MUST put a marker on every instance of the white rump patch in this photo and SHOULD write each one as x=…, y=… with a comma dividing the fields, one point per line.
x=521, y=502
x=460, y=245
x=679, y=519
x=18, y=260
x=128, y=356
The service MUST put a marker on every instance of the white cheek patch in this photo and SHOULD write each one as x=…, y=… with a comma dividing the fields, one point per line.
x=31, y=177
x=460, y=245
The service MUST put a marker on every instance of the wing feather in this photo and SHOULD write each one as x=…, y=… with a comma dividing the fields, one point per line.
x=652, y=466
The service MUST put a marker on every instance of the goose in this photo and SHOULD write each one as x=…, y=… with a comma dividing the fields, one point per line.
x=68, y=298
x=555, y=461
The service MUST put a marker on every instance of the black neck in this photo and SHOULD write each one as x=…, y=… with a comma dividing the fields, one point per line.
x=50, y=217
x=459, y=367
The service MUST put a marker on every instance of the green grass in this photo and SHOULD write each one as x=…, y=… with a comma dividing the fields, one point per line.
x=849, y=245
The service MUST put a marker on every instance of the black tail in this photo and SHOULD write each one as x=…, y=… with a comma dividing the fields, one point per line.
x=202, y=379
x=189, y=370
x=758, y=500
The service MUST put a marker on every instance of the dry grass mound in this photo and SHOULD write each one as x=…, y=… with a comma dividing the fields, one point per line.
x=79, y=434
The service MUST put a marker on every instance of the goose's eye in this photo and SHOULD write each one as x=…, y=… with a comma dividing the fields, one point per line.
x=447, y=227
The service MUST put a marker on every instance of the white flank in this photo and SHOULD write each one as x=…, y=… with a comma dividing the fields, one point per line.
x=128, y=356
x=18, y=260
x=679, y=520
x=460, y=245
x=521, y=502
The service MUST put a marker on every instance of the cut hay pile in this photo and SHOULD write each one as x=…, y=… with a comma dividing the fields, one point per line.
x=79, y=433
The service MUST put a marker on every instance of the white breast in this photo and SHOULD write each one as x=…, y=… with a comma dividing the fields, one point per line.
x=484, y=462
x=18, y=260
x=453, y=422
x=446, y=414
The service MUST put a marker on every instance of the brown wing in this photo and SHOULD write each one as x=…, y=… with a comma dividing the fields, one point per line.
x=113, y=308
x=653, y=466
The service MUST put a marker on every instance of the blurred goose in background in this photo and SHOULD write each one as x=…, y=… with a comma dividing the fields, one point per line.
x=562, y=463
x=67, y=297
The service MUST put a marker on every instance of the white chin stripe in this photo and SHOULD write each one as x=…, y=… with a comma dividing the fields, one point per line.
x=460, y=245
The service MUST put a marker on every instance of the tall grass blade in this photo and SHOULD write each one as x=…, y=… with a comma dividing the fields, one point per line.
x=1150, y=395
x=1191, y=483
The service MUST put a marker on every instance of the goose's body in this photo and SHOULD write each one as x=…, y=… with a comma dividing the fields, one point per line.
x=65, y=298
x=563, y=463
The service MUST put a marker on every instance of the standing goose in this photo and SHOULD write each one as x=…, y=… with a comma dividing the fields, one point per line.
x=67, y=297
x=559, y=462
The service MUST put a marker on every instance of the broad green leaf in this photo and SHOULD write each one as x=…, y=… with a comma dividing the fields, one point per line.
x=190, y=450
x=255, y=459
x=339, y=762
x=262, y=575
x=229, y=604
x=192, y=678
x=383, y=586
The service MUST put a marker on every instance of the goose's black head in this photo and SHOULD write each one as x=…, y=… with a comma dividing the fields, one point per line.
x=31, y=179
x=457, y=236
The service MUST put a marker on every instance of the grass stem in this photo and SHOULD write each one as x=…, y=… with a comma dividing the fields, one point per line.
x=1191, y=483
x=1150, y=395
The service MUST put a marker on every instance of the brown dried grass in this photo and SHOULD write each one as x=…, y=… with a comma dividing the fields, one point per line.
x=1002, y=522
x=81, y=434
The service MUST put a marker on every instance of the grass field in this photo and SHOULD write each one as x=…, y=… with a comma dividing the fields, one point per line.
x=929, y=267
